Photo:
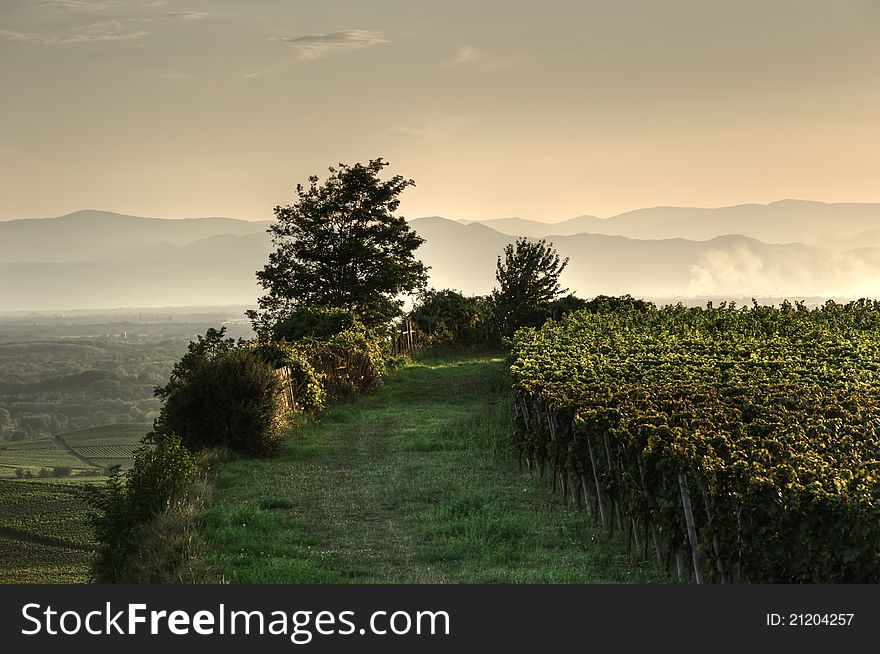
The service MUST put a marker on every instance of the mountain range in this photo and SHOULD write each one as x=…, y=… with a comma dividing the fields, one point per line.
x=790, y=248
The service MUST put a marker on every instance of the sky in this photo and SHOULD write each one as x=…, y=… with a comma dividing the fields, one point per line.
x=495, y=108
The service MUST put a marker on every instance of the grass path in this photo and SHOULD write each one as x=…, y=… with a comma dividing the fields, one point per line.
x=411, y=485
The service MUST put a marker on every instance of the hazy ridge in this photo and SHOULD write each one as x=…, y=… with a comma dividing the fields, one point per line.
x=789, y=248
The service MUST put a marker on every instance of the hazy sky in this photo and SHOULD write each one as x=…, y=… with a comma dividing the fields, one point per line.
x=495, y=107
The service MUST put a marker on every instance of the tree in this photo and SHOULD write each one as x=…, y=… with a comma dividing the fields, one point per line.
x=340, y=245
x=528, y=283
x=447, y=316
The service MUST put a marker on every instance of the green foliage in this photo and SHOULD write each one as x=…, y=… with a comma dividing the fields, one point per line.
x=312, y=322
x=350, y=363
x=203, y=349
x=306, y=384
x=611, y=303
x=528, y=284
x=769, y=414
x=341, y=245
x=449, y=319
x=233, y=399
x=567, y=304
x=54, y=387
x=160, y=476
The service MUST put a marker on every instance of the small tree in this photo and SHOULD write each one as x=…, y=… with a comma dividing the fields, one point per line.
x=446, y=316
x=528, y=283
x=340, y=245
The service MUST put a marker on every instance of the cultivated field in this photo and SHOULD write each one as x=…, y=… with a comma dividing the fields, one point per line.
x=45, y=535
x=44, y=532
x=736, y=445
x=85, y=453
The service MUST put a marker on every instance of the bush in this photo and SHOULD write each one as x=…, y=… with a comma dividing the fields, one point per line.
x=617, y=303
x=351, y=362
x=232, y=400
x=168, y=548
x=313, y=322
x=159, y=476
x=449, y=318
x=306, y=391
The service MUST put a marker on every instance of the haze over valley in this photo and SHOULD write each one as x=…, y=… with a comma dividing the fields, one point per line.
x=791, y=248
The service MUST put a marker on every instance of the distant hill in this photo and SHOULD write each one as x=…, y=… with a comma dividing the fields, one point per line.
x=788, y=221
x=98, y=259
x=463, y=257
x=95, y=235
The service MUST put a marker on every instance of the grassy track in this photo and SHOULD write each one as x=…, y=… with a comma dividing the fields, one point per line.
x=412, y=485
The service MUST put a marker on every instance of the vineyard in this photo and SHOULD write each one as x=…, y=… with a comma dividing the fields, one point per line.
x=105, y=446
x=44, y=532
x=735, y=444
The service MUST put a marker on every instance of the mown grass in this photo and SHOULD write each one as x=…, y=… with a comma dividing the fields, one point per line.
x=415, y=484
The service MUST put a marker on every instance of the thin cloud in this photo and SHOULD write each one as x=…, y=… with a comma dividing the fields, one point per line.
x=315, y=46
x=466, y=54
x=107, y=30
x=81, y=5
x=435, y=130
x=74, y=5
x=188, y=15
x=469, y=57
x=9, y=35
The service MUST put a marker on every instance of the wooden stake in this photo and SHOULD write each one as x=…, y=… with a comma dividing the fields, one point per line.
x=691, y=528
x=601, y=498
x=679, y=564
x=653, y=528
x=716, y=546
x=588, y=497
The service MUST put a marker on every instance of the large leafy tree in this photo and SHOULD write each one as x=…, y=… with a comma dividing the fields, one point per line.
x=528, y=284
x=340, y=245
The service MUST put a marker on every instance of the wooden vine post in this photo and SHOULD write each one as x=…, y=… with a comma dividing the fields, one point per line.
x=601, y=497
x=691, y=528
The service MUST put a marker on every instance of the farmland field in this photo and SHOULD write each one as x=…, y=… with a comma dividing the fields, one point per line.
x=33, y=457
x=44, y=532
x=83, y=453
x=45, y=536
x=105, y=446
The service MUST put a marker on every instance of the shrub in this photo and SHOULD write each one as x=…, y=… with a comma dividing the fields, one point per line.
x=159, y=476
x=206, y=347
x=168, y=548
x=351, y=362
x=232, y=400
x=306, y=391
x=449, y=318
x=616, y=303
